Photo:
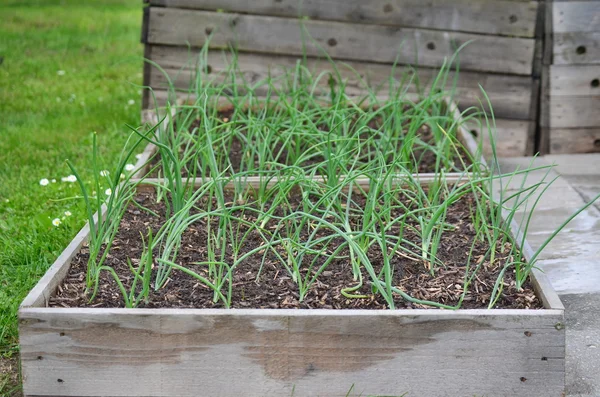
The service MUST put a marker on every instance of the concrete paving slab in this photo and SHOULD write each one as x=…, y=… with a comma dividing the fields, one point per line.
x=583, y=344
x=575, y=164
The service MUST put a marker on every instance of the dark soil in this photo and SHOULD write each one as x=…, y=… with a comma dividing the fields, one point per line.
x=275, y=289
x=425, y=160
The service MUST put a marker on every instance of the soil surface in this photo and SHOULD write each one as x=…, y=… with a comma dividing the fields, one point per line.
x=424, y=159
x=274, y=287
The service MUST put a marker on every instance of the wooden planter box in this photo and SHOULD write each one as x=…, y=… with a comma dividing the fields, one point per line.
x=504, y=54
x=273, y=352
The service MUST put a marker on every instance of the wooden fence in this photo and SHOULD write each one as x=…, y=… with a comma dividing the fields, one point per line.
x=571, y=113
x=504, y=54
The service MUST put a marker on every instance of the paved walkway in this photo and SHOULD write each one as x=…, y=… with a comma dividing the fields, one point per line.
x=572, y=259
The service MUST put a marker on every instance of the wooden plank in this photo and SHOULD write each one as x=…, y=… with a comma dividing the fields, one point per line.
x=575, y=80
x=511, y=136
x=510, y=95
x=497, y=17
x=576, y=16
x=574, y=111
x=93, y=352
x=574, y=140
x=576, y=48
x=341, y=40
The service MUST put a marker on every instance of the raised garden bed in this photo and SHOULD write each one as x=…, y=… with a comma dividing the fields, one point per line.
x=281, y=281
x=168, y=350
x=418, y=132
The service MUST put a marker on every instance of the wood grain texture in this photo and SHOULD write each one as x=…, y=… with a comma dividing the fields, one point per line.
x=510, y=95
x=574, y=111
x=174, y=352
x=574, y=140
x=341, y=40
x=575, y=80
x=498, y=17
x=576, y=48
x=511, y=136
x=576, y=16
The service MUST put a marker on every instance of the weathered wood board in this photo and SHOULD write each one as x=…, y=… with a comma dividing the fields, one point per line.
x=576, y=16
x=510, y=95
x=575, y=80
x=575, y=140
x=573, y=91
x=341, y=40
x=496, y=17
x=511, y=136
x=174, y=352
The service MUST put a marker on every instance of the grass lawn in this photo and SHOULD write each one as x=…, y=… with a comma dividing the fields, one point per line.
x=67, y=68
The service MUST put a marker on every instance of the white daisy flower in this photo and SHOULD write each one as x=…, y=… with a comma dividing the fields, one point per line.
x=53, y=180
x=138, y=156
x=68, y=213
x=60, y=72
x=56, y=222
x=129, y=167
x=70, y=178
x=104, y=173
x=44, y=182
x=108, y=191
x=131, y=102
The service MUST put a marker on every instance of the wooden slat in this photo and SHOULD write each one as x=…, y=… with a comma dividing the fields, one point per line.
x=341, y=40
x=574, y=111
x=576, y=16
x=510, y=95
x=575, y=80
x=574, y=140
x=188, y=352
x=576, y=48
x=498, y=17
x=511, y=136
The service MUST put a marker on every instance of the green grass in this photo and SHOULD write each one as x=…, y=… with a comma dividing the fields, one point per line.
x=48, y=117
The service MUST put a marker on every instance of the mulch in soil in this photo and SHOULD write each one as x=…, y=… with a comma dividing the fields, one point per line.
x=425, y=159
x=275, y=288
